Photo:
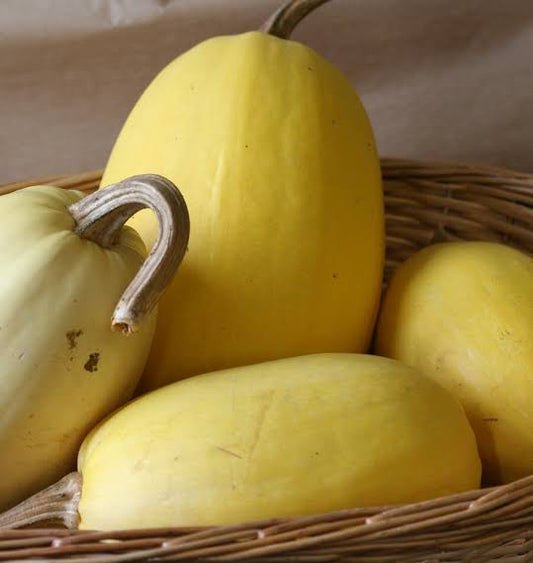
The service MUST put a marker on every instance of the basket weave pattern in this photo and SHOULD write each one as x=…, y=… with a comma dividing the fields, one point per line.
x=425, y=203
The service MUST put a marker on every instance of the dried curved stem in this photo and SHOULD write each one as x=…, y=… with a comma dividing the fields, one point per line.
x=288, y=16
x=100, y=218
x=57, y=503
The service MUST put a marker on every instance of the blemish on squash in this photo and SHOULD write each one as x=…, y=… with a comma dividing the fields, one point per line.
x=228, y=452
x=490, y=419
x=72, y=338
x=335, y=275
x=92, y=363
x=21, y=355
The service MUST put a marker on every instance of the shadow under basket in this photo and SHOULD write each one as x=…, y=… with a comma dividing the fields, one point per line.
x=425, y=203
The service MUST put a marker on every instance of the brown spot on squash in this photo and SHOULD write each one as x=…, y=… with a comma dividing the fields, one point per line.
x=72, y=338
x=92, y=363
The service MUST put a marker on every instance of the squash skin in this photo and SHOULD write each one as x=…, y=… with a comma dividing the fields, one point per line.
x=275, y=156
x=282, y=438
x=62, y=369
x=462, y=314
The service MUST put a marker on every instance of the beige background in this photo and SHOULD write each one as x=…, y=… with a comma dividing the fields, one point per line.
x=441, y=79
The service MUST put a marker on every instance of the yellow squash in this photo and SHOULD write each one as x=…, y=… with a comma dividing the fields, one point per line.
x=282, y=438
x=64, y=264
x=276, y=158
x=462, y=313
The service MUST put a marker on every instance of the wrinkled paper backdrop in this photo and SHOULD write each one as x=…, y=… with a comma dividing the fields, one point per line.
x=441, y=79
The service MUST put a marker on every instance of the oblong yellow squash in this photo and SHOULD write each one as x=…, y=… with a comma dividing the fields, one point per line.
x=282, y=438
x=61, y=366
x=462, y=314
x=276, y=158
x=67, y=268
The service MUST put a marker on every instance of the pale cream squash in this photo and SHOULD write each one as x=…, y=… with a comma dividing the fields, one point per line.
x=276, y=158
x=282, y=438
x=462, y=313
x=64, y=264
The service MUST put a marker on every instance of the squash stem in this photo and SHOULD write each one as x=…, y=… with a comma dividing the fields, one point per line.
x=57, y=503
x=283, y=22
x=100, y=217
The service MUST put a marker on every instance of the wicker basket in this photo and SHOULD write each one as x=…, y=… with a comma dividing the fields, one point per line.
x=425, y=203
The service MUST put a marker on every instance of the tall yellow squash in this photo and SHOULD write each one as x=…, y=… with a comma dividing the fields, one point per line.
x=276, y=159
